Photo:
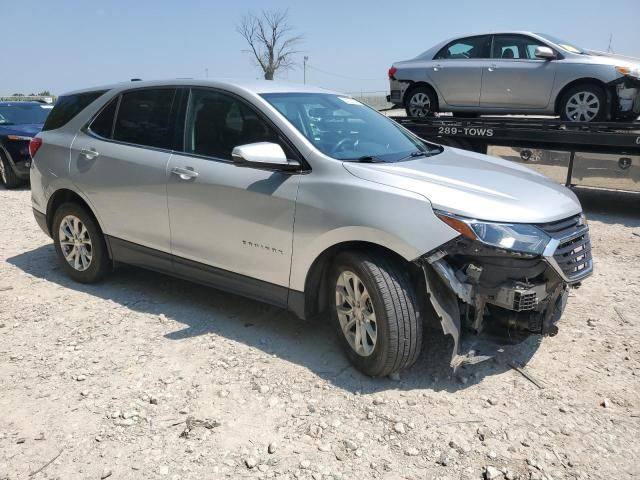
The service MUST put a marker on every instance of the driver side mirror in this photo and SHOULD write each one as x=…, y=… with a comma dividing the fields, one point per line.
x=263, y=155
x=545, y=53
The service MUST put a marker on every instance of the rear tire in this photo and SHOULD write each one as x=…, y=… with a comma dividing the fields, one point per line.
x=584, y=103
x=383, y=292
x=79, y=244
x=421, y=102
x=7, y=176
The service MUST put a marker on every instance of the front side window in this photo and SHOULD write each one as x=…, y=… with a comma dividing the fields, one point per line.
x=145, y=117
x=345, y=129
x=515, y=47
x=216, y=123
x=466, y=48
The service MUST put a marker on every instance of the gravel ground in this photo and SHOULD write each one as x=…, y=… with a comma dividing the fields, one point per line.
x=146, y=376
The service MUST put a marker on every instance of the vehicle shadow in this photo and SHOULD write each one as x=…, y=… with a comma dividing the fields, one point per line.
x=311, y=344
x=610, y=206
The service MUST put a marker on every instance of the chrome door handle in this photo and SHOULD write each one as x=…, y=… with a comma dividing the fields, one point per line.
x=492, y=68
x=437, y=67
x=186, y=173
x=89, y=153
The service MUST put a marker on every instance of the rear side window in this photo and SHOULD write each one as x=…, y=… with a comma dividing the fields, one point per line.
x=145, y=117
x=67, y=107
x=102, y=125
x=466, y=48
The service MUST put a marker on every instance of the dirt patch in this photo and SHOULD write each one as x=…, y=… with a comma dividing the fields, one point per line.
x=146, y=376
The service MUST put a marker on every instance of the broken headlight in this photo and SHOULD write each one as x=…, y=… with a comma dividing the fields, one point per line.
x=519, y=237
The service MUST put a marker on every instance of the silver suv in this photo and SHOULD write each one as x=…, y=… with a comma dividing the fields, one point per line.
x=517, y=72
x=310, y=201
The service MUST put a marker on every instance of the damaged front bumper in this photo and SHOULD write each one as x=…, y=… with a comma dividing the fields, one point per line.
x=626, y=97
x=490, y=298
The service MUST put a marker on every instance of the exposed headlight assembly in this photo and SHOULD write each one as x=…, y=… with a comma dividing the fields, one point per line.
x=519, y=237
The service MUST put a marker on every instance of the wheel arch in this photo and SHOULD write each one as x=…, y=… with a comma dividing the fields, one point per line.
x=315, y=299
x=416, y=84
x=575, y=83
x=65, y=195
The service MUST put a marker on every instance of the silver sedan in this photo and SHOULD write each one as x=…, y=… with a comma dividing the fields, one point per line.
x=517, y=73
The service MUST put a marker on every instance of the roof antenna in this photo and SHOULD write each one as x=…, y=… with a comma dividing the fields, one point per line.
x=609, y=49
x=136, y=79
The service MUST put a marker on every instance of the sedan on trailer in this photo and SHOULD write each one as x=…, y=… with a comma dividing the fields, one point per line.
x=19, y=123
x=517, y=73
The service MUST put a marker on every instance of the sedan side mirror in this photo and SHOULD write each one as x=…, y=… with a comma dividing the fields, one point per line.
x=545, y=53
x=264, y=155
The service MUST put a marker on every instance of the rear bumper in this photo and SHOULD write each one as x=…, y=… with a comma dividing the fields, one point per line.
x=41, y=220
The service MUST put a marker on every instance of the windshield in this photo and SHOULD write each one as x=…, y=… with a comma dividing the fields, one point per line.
x=562, y=44
x=346, y=129
x=23, y=113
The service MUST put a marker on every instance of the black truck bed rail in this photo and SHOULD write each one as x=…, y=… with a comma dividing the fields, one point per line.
x=476, y=133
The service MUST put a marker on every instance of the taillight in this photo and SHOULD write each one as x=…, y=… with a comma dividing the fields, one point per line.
x=34, y=145
x=392, y=72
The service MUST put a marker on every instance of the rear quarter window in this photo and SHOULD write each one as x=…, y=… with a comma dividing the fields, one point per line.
x=68, y=106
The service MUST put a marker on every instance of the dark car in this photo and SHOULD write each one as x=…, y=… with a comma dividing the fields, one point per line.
x=19, y=123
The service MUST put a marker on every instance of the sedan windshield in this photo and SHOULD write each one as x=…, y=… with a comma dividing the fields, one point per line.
x=23, y=113
x=562, y=44
x=346, y=129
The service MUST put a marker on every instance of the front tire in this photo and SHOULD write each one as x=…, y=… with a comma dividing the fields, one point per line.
x=7, y=176
x=584, y=103
x=375, y=312
x=79, y=244
x=421, y=102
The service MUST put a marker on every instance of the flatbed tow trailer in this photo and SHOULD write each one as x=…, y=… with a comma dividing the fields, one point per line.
x=600, y=155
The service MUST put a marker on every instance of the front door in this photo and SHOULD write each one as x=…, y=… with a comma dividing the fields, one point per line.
x=232, y=222
x=515, y=77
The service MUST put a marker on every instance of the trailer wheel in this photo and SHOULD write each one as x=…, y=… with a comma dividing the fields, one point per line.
x=583, y=103
x=421, y=102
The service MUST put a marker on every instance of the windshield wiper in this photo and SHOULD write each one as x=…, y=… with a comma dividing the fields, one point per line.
x=420, y=153
x=366, y=159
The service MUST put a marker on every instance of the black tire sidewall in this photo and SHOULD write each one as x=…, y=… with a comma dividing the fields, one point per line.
x=10, y=179
x=596, y=90
x=432, y=100
x=100, y=259
x=374, y=364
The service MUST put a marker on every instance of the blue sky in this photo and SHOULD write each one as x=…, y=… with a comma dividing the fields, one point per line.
x=81, y=43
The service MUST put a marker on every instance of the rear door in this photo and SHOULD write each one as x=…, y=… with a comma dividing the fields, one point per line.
x=120, y=163
x=457, y=70
x=514, y=77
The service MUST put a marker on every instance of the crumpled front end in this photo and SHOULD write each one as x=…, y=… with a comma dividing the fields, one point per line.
x=501, y=296
x=627, y=96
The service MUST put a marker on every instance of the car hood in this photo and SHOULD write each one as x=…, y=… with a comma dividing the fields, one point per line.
x=476, y=186
x=26, y=130
x=613, y=60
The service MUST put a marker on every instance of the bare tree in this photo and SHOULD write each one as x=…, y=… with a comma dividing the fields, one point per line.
x=271, y=40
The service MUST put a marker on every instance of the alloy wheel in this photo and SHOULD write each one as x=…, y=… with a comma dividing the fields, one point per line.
x=75, y=243
x=419, y=105
x=356, y=314
x=582, y=107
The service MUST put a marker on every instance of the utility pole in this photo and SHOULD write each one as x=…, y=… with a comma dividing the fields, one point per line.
x=304, y=68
